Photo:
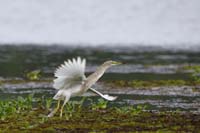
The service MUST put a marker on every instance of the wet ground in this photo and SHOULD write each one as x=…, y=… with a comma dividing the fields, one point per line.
x=157, y=98
x=17, y=60
x=22, y=115
x=145, y=65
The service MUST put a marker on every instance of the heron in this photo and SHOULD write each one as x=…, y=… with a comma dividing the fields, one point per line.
x=71, y=81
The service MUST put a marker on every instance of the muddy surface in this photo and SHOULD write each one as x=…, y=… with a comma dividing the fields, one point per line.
x=152, y=77
x=158, y=98
x=103, y=121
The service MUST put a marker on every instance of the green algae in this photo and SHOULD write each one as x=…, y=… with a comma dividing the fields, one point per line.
x=23, y=81
x=78, y=118
x=105, y=121
x=151, y=83
x=33, y=75
x=8, y=108
x=195, y=72
x=195, y=68
x=121, y=83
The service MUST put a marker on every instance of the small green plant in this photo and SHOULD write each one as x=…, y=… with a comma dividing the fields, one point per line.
x=70, y=109
x=195, y=75
x=34, y=75
x=73, y=108
x=101, y=104
x=130, y=110
x=17, y=106
x=48, y=103
x=80, y=104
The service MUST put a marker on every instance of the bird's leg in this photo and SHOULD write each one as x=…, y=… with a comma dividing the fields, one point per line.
x=55, y=110
x=107, y=97
x=61, y=110
x=66, y=100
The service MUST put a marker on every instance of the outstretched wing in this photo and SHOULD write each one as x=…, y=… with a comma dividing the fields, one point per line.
x=70, y=73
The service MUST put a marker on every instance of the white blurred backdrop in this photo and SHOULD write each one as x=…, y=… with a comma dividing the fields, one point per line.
x=93, y=22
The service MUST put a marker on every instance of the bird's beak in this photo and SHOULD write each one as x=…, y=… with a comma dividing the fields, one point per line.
x=117, y=63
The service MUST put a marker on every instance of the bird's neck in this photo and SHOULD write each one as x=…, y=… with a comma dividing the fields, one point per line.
x=94, y=77
x=100, y=71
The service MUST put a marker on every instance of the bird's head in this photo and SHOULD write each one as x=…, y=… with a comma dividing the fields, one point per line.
x=112, y=63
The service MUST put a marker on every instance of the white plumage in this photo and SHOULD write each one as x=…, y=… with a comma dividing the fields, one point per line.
x=70, y=73
x=71, y=80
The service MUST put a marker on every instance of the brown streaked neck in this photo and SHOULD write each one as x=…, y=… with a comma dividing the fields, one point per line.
x=94, y=77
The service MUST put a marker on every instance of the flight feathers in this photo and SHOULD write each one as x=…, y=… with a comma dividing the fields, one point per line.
x=70, y=73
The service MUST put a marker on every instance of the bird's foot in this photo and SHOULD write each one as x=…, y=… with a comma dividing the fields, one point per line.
x=110, y=98
x=51, y=114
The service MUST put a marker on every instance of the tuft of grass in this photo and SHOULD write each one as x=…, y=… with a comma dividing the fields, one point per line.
x=100, y=104
x=11, y=107
x=131, y=110
x=73, y=108
x=33, y=75
x=195, y=75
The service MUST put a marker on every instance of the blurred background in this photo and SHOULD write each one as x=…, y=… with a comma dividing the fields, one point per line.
x=158, y=40
x=94, y=22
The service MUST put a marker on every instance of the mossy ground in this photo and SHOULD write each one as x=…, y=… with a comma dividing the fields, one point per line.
x=151, y=83
x=96, y=117
x=24, y=115
x=102, y=120
x=122, y=83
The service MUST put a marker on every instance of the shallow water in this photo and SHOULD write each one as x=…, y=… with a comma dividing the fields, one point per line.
x=152, y=102
x=140, y=64
x=17, y=60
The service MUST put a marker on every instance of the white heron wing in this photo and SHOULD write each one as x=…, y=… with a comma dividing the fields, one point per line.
x=70, y=73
